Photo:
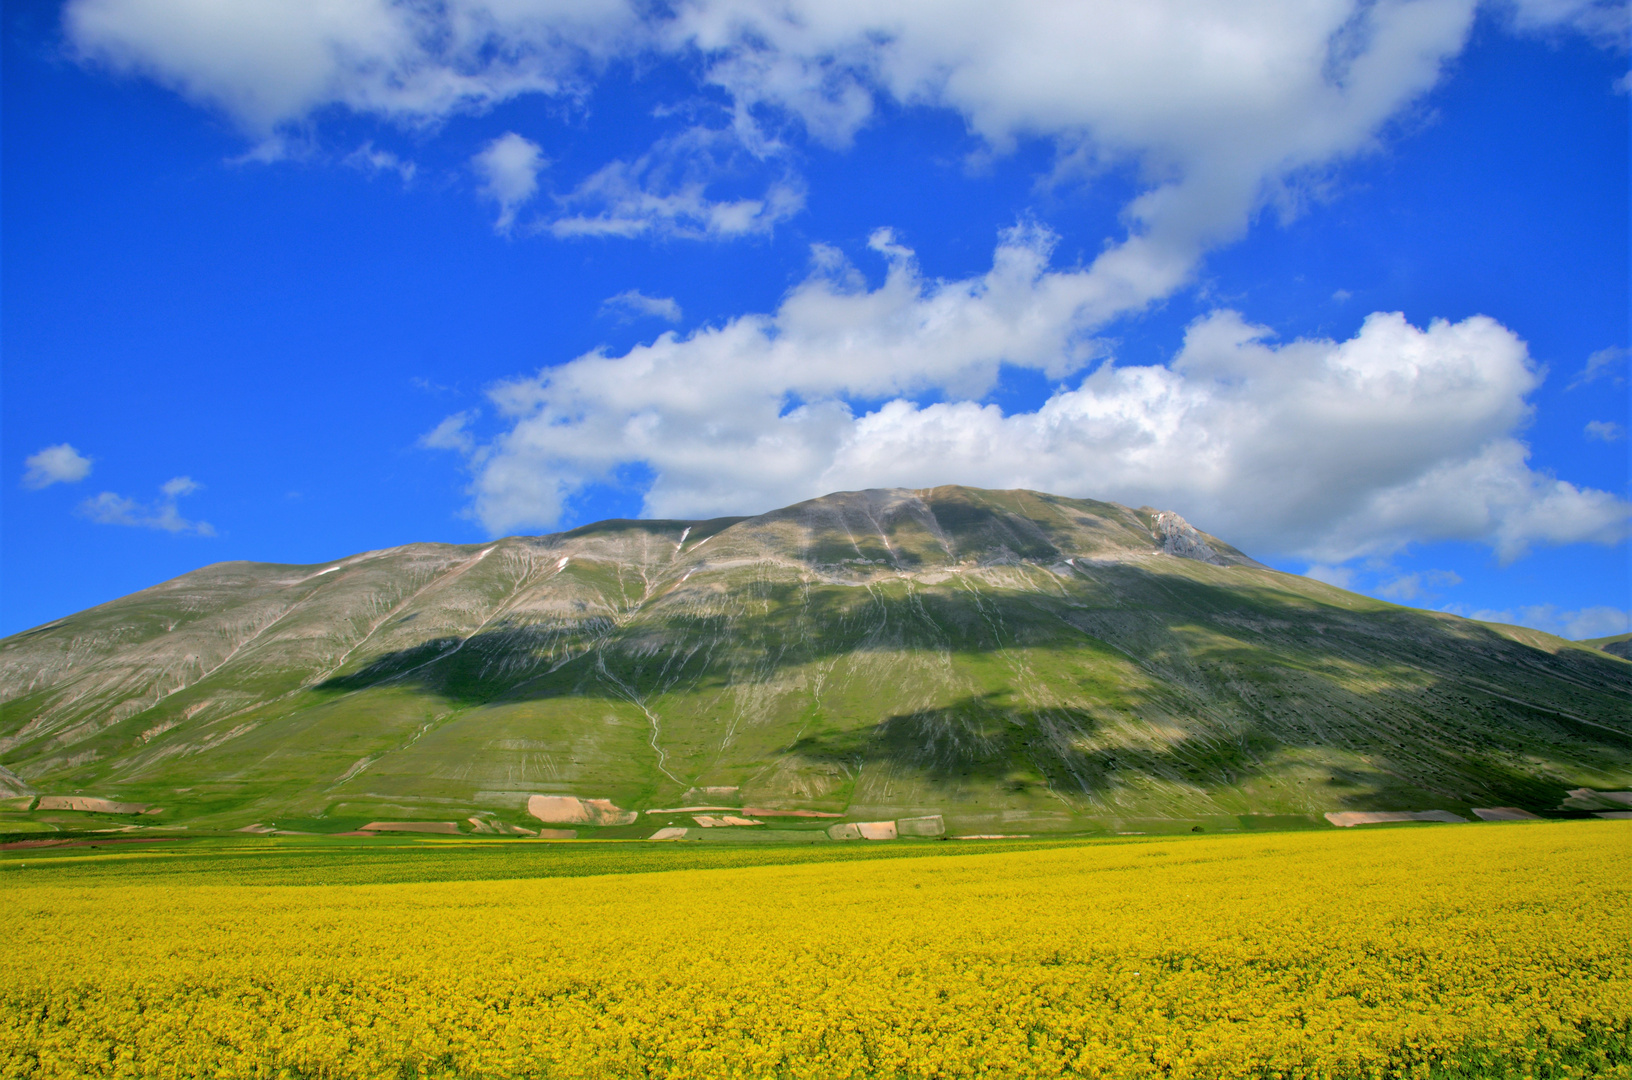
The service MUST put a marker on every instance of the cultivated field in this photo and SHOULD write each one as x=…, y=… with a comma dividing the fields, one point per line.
x=1494, y=950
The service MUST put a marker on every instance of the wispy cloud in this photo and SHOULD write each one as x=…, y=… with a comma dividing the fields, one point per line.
x=370, y=159
x=59, y=464
x=1605, y=431
x=163, y=513
x=1606, y=21
x=1407, y=587
x=453, y=433
x=1340, y=576
x=1599, y=364
x=1587, y=622
x=668, y=192
x=636, y=304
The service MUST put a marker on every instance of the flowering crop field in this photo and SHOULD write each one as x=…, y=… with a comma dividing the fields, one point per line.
x=1487, y=950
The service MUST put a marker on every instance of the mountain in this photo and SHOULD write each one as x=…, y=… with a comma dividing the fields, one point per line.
x=1013, y=661
x=1619, y=644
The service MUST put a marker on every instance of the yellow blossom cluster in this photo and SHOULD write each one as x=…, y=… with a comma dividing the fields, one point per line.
x=1426, y=951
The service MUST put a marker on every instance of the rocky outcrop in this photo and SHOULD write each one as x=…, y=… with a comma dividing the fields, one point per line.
x=1180, y=538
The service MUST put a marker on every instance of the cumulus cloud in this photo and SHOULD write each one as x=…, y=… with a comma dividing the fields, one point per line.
x=59, y=464
x=1588, y=622
x=163, y=513
x=1326, y=449
x=636, y=304
x=509, y=168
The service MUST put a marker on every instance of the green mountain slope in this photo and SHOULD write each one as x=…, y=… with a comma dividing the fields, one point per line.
x=1618, y=644
x=1012, y=660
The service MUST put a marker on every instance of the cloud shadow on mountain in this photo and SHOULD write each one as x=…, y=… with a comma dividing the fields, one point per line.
x=1411, y=700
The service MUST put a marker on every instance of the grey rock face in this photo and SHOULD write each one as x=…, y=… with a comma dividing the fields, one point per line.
x=1180, y=538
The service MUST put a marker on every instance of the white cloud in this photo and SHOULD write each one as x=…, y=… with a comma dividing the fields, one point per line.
x=1326, y=449
x=272, y=63
x=665, y=193
x=1491, y=496
x=177, y=486
x=1340, y=576
x=59, y=464
x=1408, y=587
x=370, y=159
x=451, y=434
x=1401, y=589
x=1605, y=430
x=1220, y=109
x=1599, y=364
x=109, y=508
x=1588, y=622
x=509, y=168
x=635, y=304
x=1607, y=21
x=626, y=209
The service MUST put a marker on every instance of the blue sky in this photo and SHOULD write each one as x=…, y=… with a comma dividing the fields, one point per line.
x=1344, y=283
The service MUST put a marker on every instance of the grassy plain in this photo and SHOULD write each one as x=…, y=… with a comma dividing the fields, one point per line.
x=1492, y=950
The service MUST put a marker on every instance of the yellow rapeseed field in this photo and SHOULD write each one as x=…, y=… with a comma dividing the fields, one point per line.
x=1472, y=950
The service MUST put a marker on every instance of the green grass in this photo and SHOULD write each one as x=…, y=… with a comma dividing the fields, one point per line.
x=110, y=859
x=352, y=861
